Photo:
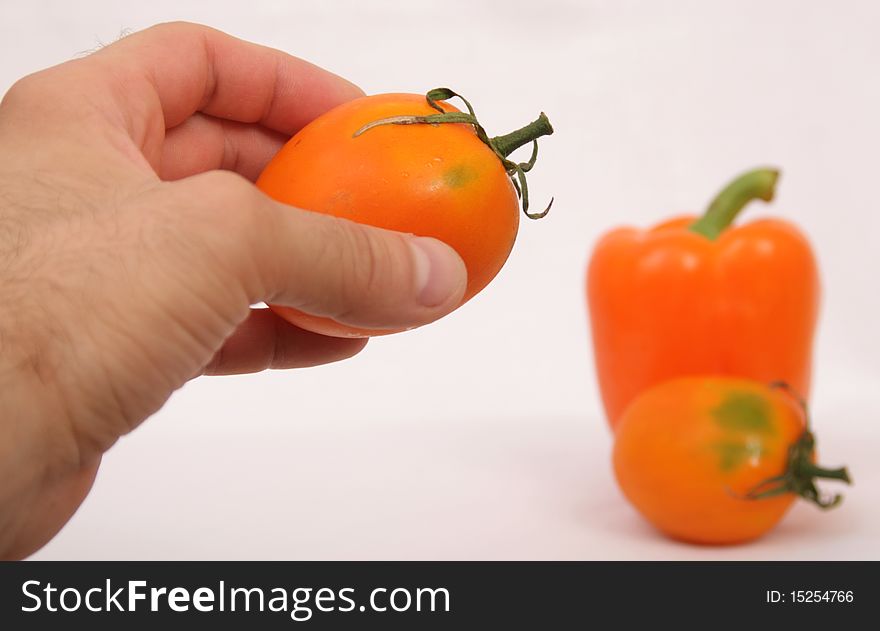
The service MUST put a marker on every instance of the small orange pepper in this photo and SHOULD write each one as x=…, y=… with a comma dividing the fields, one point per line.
x=699, y=297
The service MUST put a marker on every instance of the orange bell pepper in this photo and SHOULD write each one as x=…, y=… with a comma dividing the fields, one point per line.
x=699, y=297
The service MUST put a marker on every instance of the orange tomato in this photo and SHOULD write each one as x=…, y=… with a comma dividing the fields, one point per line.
x=436, y=180
x=716, y=460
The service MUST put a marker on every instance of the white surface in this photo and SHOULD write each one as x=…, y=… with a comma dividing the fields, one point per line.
x=481, y=436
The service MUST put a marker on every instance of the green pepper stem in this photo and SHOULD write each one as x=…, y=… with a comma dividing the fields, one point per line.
x=756, y=184
x=508, y=143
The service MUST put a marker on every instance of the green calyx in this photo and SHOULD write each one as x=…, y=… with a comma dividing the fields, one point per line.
x=503, y=146
x=800, y=473
x=756, y=184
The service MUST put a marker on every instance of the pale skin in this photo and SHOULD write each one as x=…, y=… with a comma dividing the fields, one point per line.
x=133, y=242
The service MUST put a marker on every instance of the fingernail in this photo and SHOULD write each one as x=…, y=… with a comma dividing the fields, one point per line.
x=440, y=272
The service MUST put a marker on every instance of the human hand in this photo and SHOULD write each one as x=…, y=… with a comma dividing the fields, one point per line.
x=132, y=244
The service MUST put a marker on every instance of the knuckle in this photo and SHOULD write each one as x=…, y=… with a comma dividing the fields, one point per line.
x=224, y=200
x=374, y=262
x=176, y=28
x=229, y=218
x=191, y=34
x=370, y=268
x=56, y=96
x=26, y=90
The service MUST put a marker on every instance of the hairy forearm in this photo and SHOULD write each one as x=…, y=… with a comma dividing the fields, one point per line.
x=20, y=452
x=36, y=443
x=43, y=472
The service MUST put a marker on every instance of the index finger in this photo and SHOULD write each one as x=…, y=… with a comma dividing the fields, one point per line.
x=178, y=68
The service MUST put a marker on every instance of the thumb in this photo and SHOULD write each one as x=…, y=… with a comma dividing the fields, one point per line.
x=355, y=274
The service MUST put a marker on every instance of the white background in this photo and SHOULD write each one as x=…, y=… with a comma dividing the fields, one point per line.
x=481, y=436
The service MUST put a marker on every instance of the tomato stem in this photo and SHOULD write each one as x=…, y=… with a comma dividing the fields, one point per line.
x=756, y=184
x=800, y=472
x=508, y=143
x=809, y=469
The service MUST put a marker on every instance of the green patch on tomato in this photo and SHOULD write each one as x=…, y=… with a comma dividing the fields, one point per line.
x=744, y=412
x=734, y=454
x=459, y=176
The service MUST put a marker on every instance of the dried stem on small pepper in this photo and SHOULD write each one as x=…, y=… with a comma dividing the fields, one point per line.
x=503, y=146
x=800, y=473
